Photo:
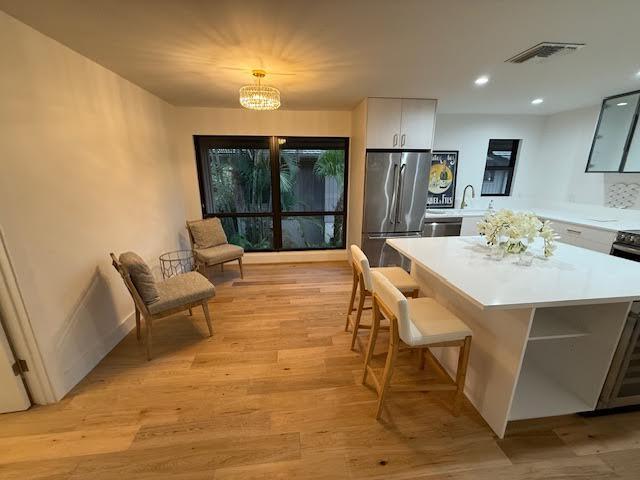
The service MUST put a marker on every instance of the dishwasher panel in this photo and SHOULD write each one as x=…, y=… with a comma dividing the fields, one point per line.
x=442, y=227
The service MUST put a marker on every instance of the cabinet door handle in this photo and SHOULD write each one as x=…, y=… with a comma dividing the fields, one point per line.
x=395, y=139
x=402, y=139
x=577, y=232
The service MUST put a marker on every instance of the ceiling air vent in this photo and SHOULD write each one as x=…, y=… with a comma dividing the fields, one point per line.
x=544, y=50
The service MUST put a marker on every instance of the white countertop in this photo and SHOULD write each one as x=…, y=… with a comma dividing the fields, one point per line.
x=573, y=276
x=607, y=222
x=603, y=222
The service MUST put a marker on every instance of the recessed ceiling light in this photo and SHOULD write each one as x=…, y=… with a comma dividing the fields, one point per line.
x=537, y=101
x=481, y=80
x=622, y=104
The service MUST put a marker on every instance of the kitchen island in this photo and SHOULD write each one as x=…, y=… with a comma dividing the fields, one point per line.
x=544, y=335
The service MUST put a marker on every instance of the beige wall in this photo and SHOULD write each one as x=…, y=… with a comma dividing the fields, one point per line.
x=86, y=169
x=356, y=172
x=188, y=122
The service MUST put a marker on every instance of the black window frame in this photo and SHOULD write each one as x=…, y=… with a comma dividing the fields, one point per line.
x=203, y=142
x=510, y=168
x=628, y=142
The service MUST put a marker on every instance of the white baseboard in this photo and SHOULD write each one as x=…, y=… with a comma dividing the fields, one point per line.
x=94, y=355
x=295, y=257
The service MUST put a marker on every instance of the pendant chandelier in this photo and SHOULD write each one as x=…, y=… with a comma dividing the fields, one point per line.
x=258, y=96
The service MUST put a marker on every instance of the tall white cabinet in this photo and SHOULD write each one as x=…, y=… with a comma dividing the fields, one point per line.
x=386, y=124
x=400, y=123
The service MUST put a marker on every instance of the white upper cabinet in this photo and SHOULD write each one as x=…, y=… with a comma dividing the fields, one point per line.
x=383, y=122
x=416, y=125
x=400, y=123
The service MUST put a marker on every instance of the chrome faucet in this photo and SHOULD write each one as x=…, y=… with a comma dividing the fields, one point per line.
x=464, y=196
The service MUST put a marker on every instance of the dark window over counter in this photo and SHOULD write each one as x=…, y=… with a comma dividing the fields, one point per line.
x=275, y=193
x=500, y=167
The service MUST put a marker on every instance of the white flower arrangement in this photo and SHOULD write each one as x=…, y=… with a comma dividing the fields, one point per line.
x=514, y=231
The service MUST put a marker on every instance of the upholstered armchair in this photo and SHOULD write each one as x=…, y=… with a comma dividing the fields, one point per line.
x=210, y=246
x=154, y=300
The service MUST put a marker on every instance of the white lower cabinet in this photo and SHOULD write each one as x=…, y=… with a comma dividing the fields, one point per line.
x=585, y=237
x=469, y=226
x=578, y=235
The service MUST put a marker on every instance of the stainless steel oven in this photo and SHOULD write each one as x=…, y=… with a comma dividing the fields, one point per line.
x=630, y=251
x=622, y=386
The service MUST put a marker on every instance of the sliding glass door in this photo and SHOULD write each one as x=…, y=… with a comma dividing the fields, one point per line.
x=275, y=193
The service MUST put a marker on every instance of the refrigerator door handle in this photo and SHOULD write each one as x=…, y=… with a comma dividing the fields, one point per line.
x=394, y=195
x=399, y=192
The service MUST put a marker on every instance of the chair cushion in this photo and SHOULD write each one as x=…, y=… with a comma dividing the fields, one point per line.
x=207, y=233
x=181, y=290
x=141, y=276
x=399, y=278
x=218, y=254
x=433, y=323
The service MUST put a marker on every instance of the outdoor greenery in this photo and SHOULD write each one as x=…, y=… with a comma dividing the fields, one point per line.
x=331, y=165
x=241, y=183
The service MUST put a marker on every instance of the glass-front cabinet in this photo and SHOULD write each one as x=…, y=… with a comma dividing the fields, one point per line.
x=616, y=143
x=632, y=161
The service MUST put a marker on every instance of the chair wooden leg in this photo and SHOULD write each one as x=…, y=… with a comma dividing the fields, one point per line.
x=461, y=373
x=354, y=287
x=240, y=265
x=138, y=324
x=388, y=369
x=373, y=336
x=356, y=324
x=207, y=317
x=148, y=322
x=190, y=312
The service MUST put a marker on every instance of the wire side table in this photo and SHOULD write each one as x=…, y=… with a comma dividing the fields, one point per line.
x=177, y=262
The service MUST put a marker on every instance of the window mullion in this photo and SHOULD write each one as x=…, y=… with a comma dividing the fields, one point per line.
x=274, y=152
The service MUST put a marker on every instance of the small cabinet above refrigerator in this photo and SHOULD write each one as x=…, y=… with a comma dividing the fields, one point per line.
x=400, y=123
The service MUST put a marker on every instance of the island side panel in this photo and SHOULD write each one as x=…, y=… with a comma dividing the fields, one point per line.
x=497, y=349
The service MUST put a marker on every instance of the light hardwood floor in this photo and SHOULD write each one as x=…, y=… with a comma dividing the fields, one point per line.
x=275, y=393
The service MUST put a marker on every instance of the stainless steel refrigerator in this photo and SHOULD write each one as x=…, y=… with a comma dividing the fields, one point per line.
x=395, y=199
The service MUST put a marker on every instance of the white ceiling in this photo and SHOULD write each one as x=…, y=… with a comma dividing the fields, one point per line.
x=328, y=54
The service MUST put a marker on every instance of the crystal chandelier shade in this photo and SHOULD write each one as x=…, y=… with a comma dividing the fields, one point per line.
x=258, y=96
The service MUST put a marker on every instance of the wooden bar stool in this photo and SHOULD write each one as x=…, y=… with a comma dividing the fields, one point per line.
x=419, y=323
x=362, y=282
